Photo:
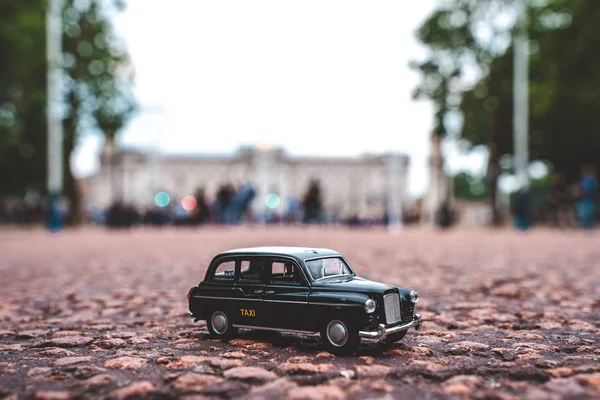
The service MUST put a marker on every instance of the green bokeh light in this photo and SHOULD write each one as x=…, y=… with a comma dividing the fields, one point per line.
x=272, y=201
x=162, y=199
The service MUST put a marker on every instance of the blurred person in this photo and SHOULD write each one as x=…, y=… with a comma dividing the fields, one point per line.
x=588, y=195
x=558, y=200
x=223, y=203
x=241, y=202
x=293, y=212
x=522, y=209
x=96, y=215
x=56, y=211
x=445, y=216
x=116, y=216
x=131, y=216
x=353, y=220
x=157, y=216
x=312, y=203
x=121, y=215
x=178, y=213
x=272, y=217
x=201, y=213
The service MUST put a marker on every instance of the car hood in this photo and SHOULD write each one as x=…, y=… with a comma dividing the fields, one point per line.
x=351, y=284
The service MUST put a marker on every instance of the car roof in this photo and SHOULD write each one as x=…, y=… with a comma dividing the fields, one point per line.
x=300, y=253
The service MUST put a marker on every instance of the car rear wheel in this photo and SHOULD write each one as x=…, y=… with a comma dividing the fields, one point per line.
x=339, y=336
x=220, y=325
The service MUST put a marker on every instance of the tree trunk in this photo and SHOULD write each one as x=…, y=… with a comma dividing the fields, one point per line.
x=494, y=154
x=492, y=183
x=71, y=190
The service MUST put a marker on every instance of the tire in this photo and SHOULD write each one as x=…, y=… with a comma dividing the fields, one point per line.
x=395, y=337
x=219, y=325
x=339, y=336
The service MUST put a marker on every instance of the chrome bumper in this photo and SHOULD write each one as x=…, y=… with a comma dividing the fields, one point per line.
x=382, y=332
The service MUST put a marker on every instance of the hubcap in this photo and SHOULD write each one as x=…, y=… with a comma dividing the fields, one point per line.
x=337, y=333
x=219, y=322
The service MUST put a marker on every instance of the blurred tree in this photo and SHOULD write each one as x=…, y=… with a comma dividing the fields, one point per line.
x=563, y=97
x=453, y=33
x=22, y=97
x=469, y=187
x=99, y=77
x=98, y=80
x=474, y=36
x=565, y=80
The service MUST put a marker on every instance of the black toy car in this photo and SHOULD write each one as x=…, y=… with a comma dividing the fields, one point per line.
x=302, y=290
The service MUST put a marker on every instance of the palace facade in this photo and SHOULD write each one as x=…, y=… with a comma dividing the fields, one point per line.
x=365, y=185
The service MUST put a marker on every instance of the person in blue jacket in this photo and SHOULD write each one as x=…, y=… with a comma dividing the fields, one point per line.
x=588, y=196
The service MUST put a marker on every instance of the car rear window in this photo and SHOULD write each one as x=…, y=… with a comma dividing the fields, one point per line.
x=225, y=271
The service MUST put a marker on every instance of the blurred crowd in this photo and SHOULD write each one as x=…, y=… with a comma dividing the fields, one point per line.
x=560, y=204
x=563, y=204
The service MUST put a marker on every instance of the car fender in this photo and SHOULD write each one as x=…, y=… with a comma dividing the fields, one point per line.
x=343, y=304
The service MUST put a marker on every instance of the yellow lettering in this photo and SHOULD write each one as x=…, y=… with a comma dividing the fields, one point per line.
x=248, y=313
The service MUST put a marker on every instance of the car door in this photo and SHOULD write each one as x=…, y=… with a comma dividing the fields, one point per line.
x=248, y=292
x=286, y=296
x=214, y=293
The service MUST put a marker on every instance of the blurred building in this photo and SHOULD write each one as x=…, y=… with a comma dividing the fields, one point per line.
x=350, y=185
x=473, y=213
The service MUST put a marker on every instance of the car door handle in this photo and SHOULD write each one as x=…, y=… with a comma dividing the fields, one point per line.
x=258, y=291
x=270, y=292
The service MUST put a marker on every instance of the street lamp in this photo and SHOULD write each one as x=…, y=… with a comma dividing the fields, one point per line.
x=521, y=99
x=54, y=117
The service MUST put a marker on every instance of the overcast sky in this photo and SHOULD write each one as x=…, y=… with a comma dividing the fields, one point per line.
x=325, y=77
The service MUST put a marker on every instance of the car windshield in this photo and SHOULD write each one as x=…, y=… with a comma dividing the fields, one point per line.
x=325, y=267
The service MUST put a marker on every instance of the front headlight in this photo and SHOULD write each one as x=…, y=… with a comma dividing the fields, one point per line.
x=414, y=296
x=370, y=306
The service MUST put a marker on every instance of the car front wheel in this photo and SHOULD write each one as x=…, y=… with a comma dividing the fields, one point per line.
x=339, y=336
x=220, y=325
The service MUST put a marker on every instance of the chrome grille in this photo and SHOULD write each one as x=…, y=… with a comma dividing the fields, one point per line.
x=391, y=303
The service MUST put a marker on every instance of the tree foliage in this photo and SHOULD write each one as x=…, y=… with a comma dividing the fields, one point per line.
x=563, y=78
x=98, y=80
x=453, y=33
x=450, y=33
x=562, y=96
x=97, y=86
x=22, y=96
x=469, y=187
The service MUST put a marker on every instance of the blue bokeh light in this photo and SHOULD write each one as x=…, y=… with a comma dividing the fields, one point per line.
x=162, y=199
x=272, y=201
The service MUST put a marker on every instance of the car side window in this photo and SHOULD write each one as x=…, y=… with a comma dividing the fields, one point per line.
x=225, y=271
x=285, y=273
x=252, y=270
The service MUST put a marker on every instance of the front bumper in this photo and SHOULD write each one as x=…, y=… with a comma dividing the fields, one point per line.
x=382, y=332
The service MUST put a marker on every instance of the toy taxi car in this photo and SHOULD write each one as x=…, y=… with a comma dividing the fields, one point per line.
x=302, y=290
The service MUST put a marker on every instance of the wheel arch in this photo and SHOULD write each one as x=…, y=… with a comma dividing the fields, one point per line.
x=349, y=305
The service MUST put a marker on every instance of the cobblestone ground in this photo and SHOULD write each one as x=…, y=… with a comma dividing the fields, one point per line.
x=96, y=314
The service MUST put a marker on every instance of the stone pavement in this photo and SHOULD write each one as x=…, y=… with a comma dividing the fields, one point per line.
x=97, y=314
